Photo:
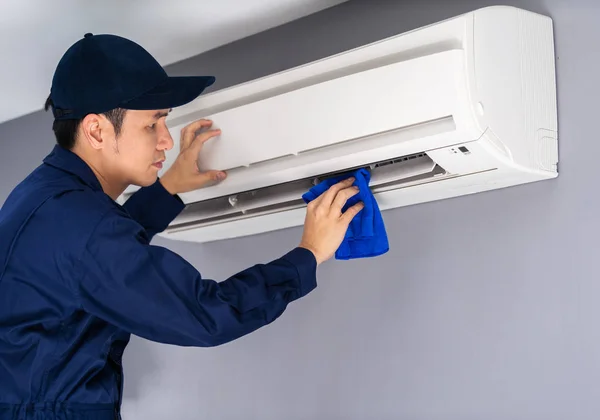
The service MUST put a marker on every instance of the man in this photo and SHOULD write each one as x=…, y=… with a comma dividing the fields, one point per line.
x=78, y=274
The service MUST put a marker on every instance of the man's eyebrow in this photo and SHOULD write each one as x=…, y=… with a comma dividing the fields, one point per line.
x=160, y=114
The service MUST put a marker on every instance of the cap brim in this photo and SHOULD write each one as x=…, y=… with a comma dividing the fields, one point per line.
x=174, y=92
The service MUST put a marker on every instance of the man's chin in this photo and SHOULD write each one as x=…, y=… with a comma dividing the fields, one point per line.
x=145, y=182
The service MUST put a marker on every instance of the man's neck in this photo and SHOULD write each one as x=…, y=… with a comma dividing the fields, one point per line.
x=110, y=188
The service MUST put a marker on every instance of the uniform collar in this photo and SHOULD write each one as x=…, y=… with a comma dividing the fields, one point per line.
x=68, y=161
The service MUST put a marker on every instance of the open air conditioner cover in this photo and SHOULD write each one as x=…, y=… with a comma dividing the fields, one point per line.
x=454, y=108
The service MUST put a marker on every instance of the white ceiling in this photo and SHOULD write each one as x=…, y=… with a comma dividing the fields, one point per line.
x=34, y=34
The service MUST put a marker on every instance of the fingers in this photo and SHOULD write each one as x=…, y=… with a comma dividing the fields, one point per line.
x=342, y=197
x=203, y=138
x=188, y=133
x=352, y=212
x=332, y=192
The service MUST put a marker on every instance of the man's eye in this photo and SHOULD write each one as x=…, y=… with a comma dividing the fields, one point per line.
x=152, y=127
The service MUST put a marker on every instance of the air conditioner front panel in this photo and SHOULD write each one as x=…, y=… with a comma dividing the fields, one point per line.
x=359, y=105
x=333, y=158
x=339, y=123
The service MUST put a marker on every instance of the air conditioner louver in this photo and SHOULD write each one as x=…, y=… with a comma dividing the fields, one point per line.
x=386, y=175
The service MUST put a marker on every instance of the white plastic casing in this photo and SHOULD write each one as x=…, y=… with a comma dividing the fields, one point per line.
x=484, y=81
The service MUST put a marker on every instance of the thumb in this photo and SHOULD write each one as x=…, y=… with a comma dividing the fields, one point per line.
x=212, y=176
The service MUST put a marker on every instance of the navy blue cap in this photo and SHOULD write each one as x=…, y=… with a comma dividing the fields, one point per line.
x=102, y=72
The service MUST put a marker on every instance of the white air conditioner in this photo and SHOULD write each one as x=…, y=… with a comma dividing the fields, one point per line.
x=458, y=107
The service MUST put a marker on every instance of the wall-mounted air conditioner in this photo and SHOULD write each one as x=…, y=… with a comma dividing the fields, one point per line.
x=458, y=107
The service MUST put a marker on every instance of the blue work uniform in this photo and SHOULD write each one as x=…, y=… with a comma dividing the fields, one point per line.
x=78, y=275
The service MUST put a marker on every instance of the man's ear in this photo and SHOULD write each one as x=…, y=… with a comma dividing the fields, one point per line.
x=92, y=128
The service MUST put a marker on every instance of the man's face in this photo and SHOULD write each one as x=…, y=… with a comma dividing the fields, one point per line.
x=135, y=156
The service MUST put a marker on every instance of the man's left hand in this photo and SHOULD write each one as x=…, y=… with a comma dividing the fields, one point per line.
x=184, y=175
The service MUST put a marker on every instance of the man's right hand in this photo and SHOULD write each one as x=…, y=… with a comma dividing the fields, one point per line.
x=325, y=225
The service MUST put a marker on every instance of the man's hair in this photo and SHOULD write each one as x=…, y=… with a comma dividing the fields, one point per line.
x=65, y=131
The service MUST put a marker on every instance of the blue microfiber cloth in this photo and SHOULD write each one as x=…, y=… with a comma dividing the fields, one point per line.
x=366, y=235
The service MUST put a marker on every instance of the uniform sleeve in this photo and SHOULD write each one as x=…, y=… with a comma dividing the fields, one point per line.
x=154, y=208
x=154, y=293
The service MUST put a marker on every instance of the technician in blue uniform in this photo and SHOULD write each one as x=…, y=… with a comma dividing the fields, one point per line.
x=78, y=274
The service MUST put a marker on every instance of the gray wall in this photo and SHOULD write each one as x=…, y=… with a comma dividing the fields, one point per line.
x=486, y=307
